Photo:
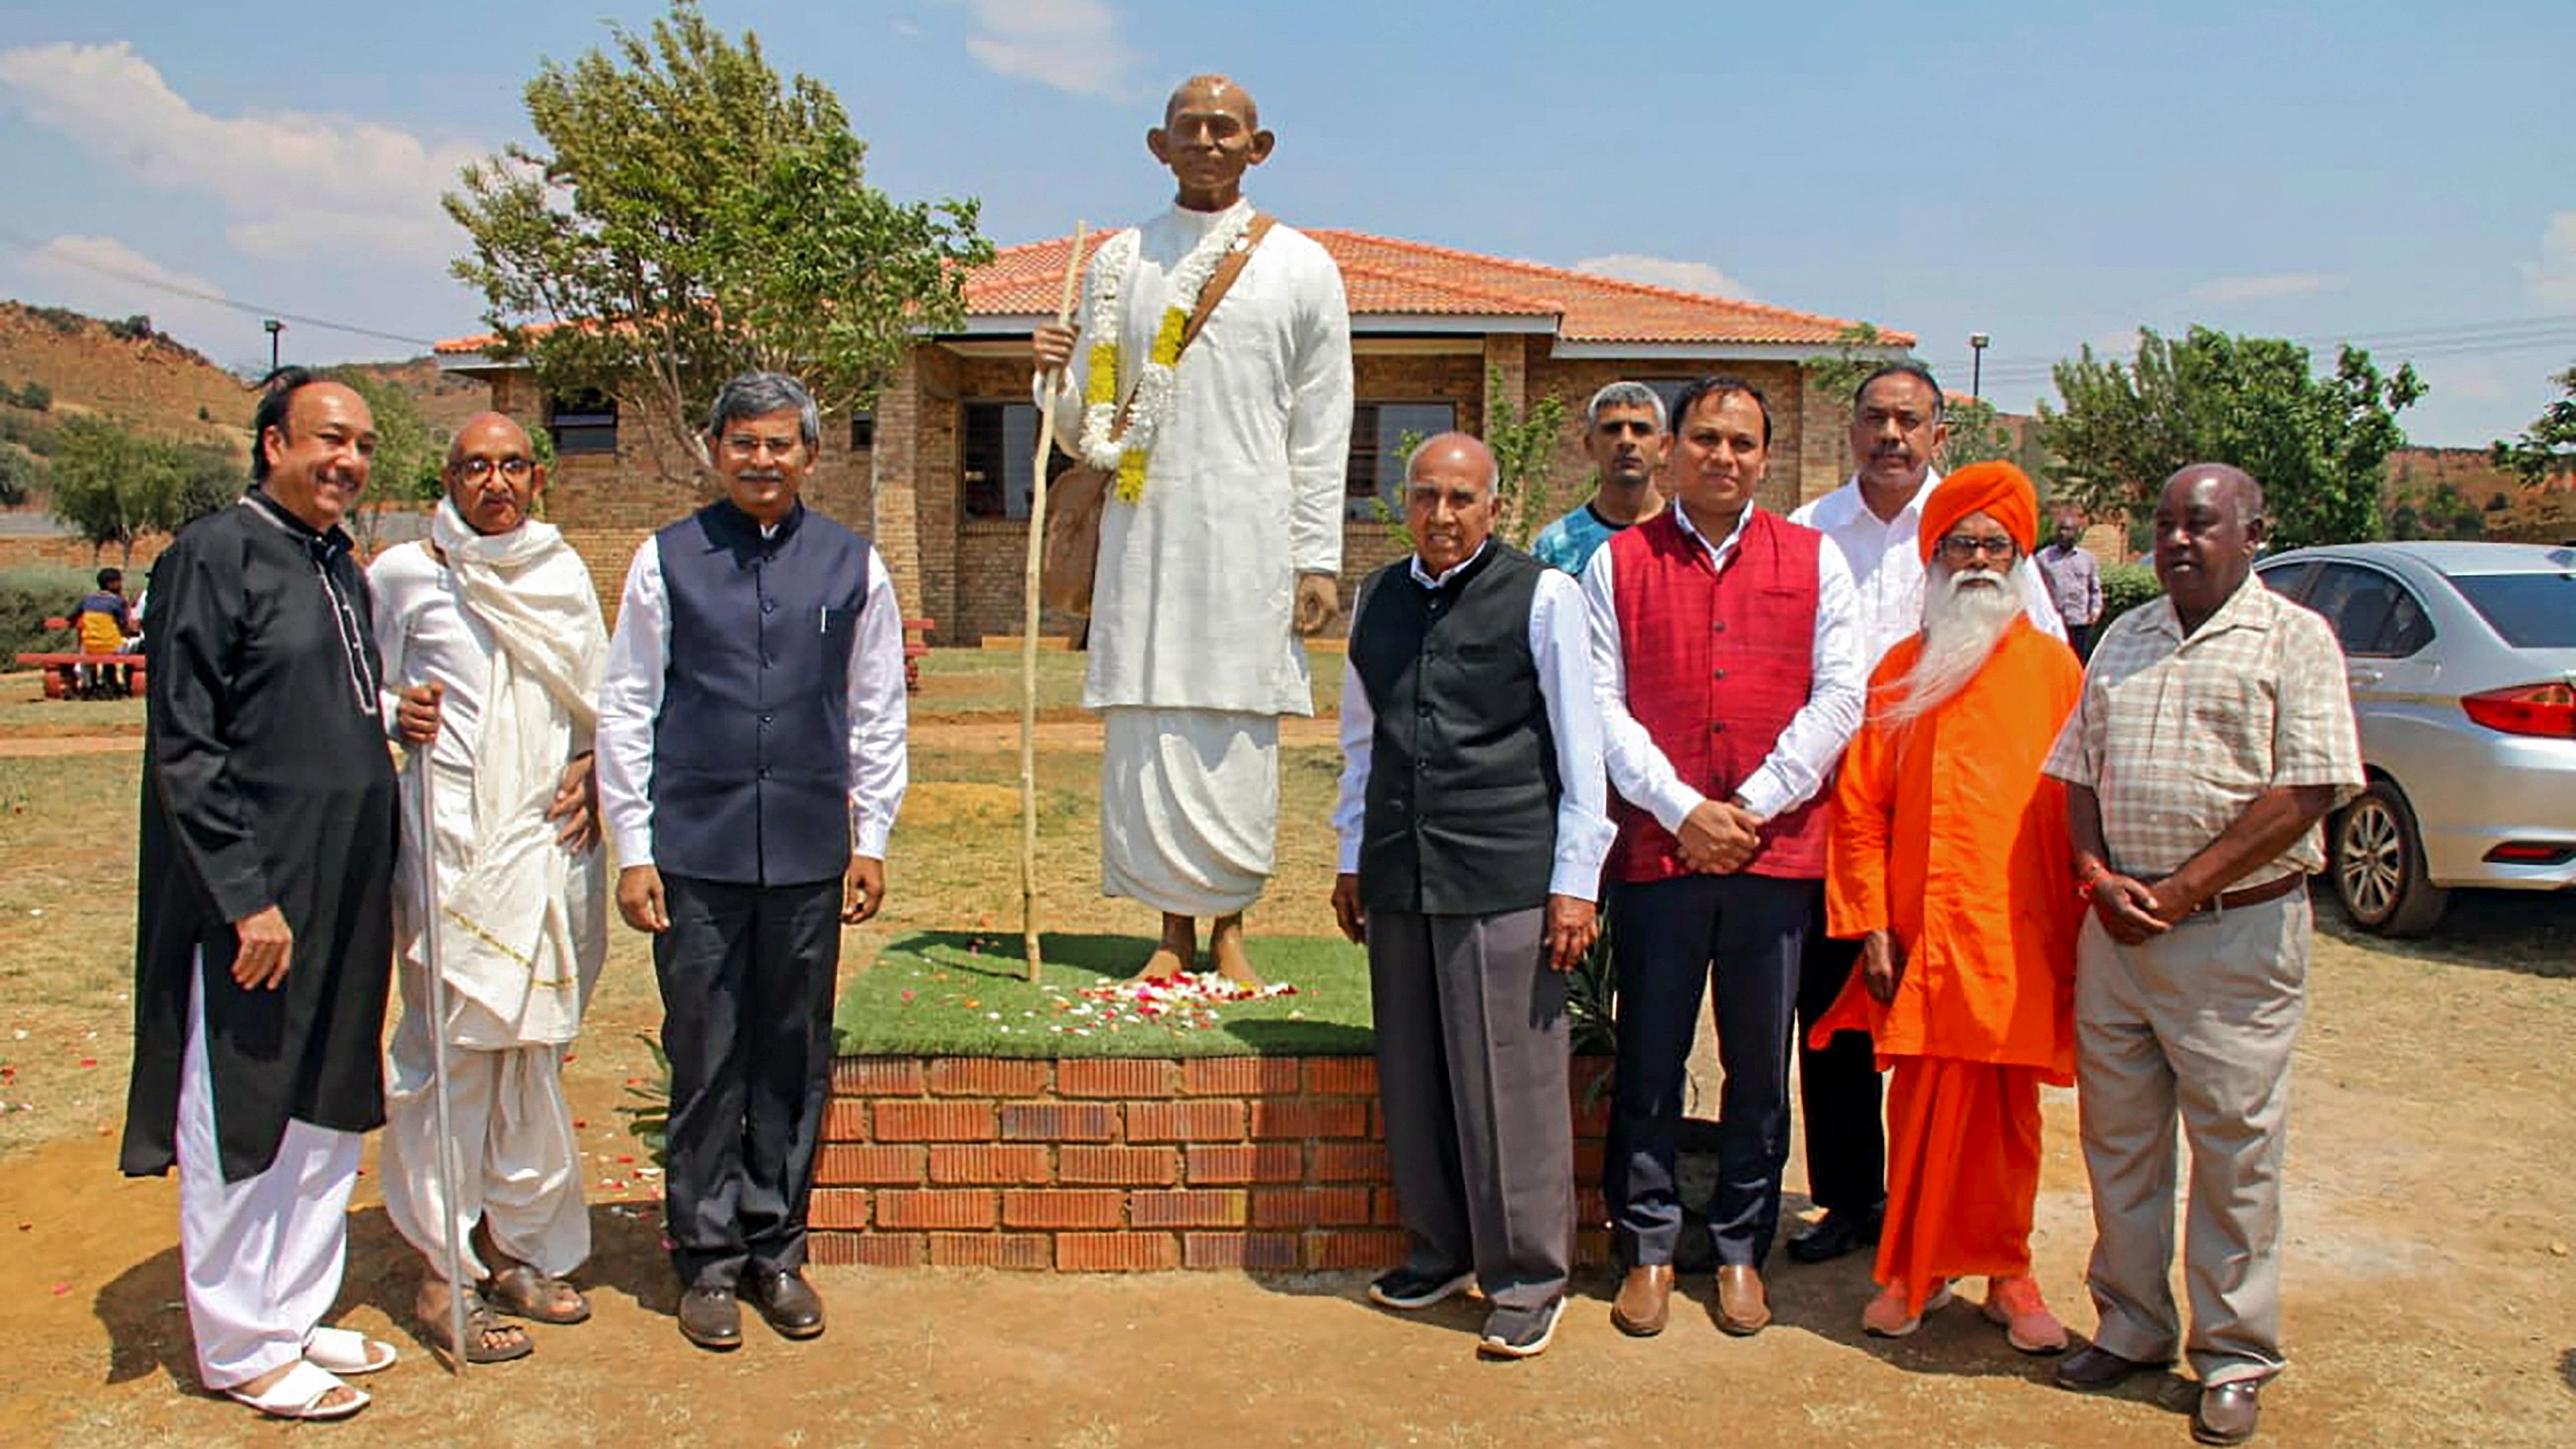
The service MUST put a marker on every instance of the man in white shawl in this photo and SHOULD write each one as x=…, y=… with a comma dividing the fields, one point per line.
x=1221, y=543
x=496, y=617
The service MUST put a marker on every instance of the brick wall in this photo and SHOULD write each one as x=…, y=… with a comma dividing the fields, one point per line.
x=1127, y=1165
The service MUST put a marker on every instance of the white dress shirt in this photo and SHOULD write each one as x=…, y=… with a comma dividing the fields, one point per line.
x=1584, y=831
x=1886, y=564
x=1802, y=759
x=630, y=700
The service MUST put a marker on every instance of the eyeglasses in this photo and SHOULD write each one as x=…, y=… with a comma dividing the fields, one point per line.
x=515, y=470
x=743, y=445
x=1959, y=548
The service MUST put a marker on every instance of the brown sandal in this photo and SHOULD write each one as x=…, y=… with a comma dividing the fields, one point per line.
x=480, y=1328
x=523, y=1290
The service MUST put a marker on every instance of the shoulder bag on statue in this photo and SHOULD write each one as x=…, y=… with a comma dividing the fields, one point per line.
x=1077, y=496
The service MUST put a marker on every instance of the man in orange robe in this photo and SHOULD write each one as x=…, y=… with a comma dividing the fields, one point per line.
x=1949, y=863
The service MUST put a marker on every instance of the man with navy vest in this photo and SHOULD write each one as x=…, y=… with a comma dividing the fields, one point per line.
x=751, y=760
x=1472, y=833
x=1728, y=661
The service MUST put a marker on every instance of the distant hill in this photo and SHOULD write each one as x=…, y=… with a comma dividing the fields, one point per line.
x=146, y=381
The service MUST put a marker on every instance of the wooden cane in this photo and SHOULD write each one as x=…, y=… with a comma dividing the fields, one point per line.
x=1050, y=385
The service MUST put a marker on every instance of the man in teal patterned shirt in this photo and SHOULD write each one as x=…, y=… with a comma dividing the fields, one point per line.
x=1625, y=433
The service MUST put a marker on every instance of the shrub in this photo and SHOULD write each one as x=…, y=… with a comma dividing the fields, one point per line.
x=19, y=476
x=2125, y=587
x=35, y=397
x=31, y=431
x=32, y=593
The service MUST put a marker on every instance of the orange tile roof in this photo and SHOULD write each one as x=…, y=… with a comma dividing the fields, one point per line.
x=1390, y=278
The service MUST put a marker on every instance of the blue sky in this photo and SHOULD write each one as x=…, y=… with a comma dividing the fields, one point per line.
x=2398, y=174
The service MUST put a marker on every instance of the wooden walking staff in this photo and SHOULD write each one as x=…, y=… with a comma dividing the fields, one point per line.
x=1049, y=385
x=447, y=1170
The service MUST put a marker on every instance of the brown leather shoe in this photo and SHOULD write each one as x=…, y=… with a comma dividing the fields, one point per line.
x=1743, y=1309
x=2228, y=1412
x=1644, y=1301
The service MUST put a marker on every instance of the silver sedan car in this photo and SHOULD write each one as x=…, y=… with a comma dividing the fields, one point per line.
x=2462, y=658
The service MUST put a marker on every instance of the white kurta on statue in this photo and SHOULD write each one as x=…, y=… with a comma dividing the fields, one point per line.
x=1243, y=491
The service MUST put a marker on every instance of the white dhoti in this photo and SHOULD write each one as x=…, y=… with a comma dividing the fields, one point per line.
x=517, y=1163
x=263, y=1256
x=1189, y=808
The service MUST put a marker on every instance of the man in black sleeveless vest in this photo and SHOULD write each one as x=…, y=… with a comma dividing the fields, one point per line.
x=751, y=760
x=1473, y=823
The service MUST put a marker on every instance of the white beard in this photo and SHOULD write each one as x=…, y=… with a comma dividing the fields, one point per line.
x=1961, y=627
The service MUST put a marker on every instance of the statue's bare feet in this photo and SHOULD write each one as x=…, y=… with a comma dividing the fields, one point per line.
x=1175, y=955
x=1225, y=950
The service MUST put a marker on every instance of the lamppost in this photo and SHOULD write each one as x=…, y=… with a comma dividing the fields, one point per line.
x=274, y=327
x=1977, y=365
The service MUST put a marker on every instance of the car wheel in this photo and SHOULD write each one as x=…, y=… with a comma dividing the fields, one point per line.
x=2378, y=865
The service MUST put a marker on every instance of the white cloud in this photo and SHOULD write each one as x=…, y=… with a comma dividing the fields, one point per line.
x=2264, y=286
x=1072, y=45
x=2118, y=345
x=1679, y=275
x=2553, y=277
x=298, y=186
x=106, y=278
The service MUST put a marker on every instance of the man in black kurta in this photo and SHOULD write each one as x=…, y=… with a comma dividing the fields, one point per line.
x=265, y=933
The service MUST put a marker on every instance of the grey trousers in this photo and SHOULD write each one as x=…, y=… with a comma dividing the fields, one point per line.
x=2196, y=1023
x=1471, y=1073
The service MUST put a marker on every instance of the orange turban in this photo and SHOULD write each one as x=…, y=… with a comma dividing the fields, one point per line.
x=1998, y=490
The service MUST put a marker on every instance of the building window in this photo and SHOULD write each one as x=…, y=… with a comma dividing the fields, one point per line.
x=863, y=431
x=1667, y=388
x=995, y=441
x=1378, y=433
x=582, y=423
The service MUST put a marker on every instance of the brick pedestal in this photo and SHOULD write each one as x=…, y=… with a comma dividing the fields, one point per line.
x=1135, y=1164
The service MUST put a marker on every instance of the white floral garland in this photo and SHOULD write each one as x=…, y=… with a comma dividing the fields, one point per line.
x=1157, y=381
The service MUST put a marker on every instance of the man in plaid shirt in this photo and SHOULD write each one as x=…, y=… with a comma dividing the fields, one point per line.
x=2214, y=732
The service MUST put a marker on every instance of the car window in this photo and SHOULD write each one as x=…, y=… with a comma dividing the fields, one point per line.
x=2531, y=611
x=2289, y=580
x=2372, y=614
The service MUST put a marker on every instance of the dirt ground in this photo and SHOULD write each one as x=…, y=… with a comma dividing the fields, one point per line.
x=2430, y=1291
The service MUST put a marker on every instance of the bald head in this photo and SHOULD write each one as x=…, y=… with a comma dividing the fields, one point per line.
x=492, y=474
x=1449, y=500
x=1458, y=455
x=1211, y=134
x=484, y=431
x=2225, y=482
x=2209, y=526
x=1212, y=92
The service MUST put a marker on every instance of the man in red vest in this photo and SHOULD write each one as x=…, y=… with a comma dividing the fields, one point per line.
x=1729, y=661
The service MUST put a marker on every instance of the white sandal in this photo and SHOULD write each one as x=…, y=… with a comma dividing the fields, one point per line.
x=348, y=1353
x=299, y=1395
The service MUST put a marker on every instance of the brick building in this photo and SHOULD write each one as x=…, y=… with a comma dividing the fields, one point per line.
x=938, y=473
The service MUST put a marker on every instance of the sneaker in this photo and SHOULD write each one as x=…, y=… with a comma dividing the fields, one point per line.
x=1885, y=1317
x=2028, y=1325
x=1520, y=1332
x=1406, y=1290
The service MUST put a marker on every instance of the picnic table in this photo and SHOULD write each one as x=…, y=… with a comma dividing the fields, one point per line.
x=63, y=668
x=914, y=648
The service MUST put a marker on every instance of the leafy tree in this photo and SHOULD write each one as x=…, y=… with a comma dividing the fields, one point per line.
x=2319, y=446
x=213, y=477
x=2549, y=444
x=1837, y=374
x=1523, y=441
x=1977, y=435
x=35, y=397
x=688, y=218
x=20, y=474
x=111, y=485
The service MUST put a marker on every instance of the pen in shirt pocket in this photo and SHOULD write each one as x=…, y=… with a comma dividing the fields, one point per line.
x=823, y=620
